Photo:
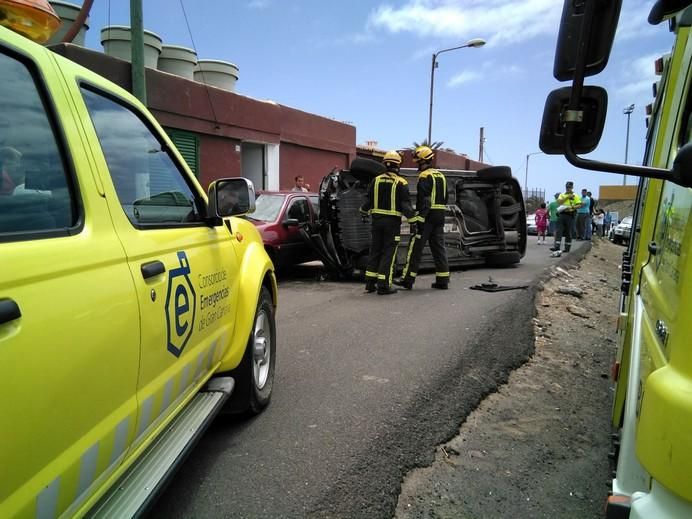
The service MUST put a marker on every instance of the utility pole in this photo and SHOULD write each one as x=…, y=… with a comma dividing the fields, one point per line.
x=139, y=86
x=474, y=44
x=480, y=146
x=628, y=112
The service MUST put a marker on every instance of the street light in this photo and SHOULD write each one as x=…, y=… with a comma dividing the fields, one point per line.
x=474, y=43
x=628, y=112
x=526, y=174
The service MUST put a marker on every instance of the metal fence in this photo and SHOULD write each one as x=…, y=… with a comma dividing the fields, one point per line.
x=533, y=198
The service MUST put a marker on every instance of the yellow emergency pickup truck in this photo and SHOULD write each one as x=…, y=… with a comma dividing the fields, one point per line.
x=133, y=306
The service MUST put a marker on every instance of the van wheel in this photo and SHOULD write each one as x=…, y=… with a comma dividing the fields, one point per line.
x=254, y=377
x=502, y=259
x=370, y=166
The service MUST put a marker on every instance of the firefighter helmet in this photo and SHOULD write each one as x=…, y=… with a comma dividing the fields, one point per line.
x=423, y=154
x=392, y=159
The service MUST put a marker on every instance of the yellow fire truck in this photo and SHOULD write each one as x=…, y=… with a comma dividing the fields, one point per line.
x=652, y=410
x=133, y=305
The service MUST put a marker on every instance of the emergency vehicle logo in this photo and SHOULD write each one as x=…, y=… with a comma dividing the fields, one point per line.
x=181, y=304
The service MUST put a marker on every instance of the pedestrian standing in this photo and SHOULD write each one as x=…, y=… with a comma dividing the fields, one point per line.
x=386, y=200
x=431, y=204
x=300, y=185
x=552, y=215
x=541, y=223
x=592, y=211
x=584, y=217
x=567, y=210
x=607, y=220
x=599, y=218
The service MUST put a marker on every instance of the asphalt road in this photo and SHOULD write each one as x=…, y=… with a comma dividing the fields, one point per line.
x=366, y=386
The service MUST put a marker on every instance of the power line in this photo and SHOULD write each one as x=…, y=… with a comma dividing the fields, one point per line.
x=194, y=47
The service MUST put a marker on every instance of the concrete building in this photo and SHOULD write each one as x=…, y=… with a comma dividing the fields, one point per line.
x=610, y=194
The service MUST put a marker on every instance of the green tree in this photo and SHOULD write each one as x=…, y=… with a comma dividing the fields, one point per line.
x=436, y=145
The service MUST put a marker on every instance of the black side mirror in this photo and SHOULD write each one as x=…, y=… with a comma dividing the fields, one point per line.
x=291, y=222
x=682, y=166
x=593, y=107
x=231, y=197
x=602, y=21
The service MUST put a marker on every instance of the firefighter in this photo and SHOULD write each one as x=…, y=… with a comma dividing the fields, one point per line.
x=431, y=203
x=387, y=199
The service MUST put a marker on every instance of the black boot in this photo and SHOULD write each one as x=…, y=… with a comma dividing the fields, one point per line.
x=370, y=286
x=385, y=291
x=440, y=285
x=405, y=283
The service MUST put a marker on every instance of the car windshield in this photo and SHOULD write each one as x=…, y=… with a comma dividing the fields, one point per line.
x=267, y=207
x=627, y=220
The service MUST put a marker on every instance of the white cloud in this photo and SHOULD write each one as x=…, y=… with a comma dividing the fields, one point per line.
x=501, y=22
x=636, y=79
x=258, y=4
x=632, y=25
x=360, y=38
x=464, y=77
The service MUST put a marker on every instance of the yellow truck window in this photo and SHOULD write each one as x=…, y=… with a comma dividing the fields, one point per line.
x=34, y=193
x=150, y=187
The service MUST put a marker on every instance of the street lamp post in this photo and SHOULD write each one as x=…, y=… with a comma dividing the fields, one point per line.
x=628, y=112
x=474, y=43
x=526, y=173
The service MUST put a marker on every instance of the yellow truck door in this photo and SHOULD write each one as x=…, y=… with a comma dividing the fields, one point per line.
x=185, y=270
x=69, y=318
x=665, y=406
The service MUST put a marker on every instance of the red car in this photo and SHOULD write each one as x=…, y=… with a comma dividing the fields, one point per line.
x=278, y=216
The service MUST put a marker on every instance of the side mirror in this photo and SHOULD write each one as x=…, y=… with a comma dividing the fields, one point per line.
x=601, y=19
x=231, y=197
x=682, y=166
x=593, y=106
x=291, y=222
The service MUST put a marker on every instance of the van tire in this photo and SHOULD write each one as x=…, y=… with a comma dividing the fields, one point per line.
x=495, y=173
x=254, y=376
x=370, y=166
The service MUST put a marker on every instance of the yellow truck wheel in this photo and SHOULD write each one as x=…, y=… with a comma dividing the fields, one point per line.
x=254, y=377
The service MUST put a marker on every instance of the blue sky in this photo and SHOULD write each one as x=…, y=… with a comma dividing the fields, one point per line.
x=368, y=63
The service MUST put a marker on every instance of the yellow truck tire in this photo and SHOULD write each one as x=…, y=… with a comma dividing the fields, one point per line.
x=254, y=376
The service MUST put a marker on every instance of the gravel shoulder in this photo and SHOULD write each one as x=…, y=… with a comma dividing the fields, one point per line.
x=538, y=447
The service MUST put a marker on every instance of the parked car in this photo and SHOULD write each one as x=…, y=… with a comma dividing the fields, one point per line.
x=279, y=216
x=485, y=220
x=621, y=232
x=531, y=224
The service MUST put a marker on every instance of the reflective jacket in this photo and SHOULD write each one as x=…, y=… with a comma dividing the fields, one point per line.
x=388, y=194
x=571, y=203
x=431, y=191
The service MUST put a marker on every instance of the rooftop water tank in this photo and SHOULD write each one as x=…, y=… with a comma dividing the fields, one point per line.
x=221, y=74
x=68, y=14
x=177, y=60
x=117, y=42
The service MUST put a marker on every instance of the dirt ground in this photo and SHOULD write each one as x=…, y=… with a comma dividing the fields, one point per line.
x=538, y=448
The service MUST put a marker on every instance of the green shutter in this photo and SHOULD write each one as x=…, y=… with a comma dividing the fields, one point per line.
x=188, y=146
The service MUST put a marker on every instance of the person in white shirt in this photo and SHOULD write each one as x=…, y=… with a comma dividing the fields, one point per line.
x=300, y=184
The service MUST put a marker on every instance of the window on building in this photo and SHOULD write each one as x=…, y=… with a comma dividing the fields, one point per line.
x=188, y=146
